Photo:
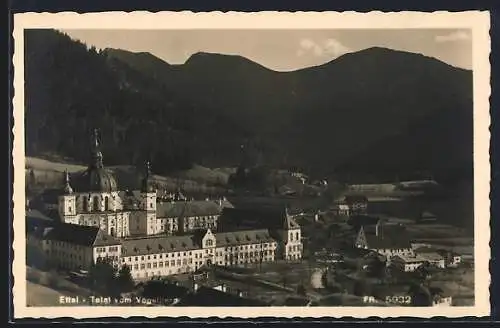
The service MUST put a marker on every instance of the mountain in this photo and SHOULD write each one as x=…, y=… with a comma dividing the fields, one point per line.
x=376, y=112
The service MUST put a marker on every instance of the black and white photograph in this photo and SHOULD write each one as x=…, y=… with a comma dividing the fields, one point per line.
x=245, y=166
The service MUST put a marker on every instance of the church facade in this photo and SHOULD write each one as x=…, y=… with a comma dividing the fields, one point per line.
x=93, y=199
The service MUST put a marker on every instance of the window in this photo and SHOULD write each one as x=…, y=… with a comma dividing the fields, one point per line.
x=106, y=203
x=172, y=263
x=149, y=265
x=143, y=266
x=160, y=264
x=167, y=263
x=69, y=209
x=209, y=242
x=96, y=203
x=155, y=265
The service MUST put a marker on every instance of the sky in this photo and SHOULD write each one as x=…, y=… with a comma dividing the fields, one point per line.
x=284, y=50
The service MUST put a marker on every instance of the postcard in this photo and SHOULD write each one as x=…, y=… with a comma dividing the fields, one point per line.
x=267, y=164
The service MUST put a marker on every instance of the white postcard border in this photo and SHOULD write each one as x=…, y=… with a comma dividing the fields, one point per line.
x=477, y=21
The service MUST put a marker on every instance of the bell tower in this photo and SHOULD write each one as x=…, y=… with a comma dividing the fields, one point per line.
x=67, y=202
x=148, y=200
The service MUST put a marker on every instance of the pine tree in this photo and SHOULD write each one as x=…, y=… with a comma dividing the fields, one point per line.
x=125, y=281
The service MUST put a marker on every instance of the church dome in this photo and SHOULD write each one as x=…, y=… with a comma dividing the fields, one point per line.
x=96, y=178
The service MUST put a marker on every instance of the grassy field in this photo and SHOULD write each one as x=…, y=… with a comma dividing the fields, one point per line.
x=45, y=288
x=458, y=283
x=49, y=174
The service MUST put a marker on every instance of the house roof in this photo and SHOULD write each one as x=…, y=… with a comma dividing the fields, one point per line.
x=428, y=215
x=431, y=256
x=355, y=199
x=36, y=214
x=389, y=238
x=243, y=237
x=187, y=208
x=79, y=235
x=411, y=259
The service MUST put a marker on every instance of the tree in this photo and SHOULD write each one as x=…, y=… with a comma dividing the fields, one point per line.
x=377, y=268
x=420, y=295
x=361, y=288
x=125, y=281
x=102, y=278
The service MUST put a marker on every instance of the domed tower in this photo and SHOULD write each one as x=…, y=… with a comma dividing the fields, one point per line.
x=148, y=200
x=100, y=184
x=67, y=204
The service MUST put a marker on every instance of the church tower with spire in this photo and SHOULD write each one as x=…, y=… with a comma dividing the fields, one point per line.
x=67, y=202
x=148, y=200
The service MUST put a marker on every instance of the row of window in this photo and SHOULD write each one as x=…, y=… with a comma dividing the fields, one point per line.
x=297, y=236
x=63, y=244
x=167, y=264
x=63, y=254
x=160, y=256
x=184, y=263
x=250, y=254
x=252, y=246
x=294, y=248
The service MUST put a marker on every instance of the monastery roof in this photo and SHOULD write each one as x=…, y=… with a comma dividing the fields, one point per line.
x=79, y=235
x=243, y=237
x=187, y=208
x=160, y=244
x=36, y=214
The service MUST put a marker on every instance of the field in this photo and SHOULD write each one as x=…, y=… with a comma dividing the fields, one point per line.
x=49, y=174
x=457, y=282
x=45, y=288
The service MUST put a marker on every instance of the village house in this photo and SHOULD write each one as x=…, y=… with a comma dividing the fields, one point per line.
x=385, y=239
x=440, y=298
x=358, y=204
x=407, y=263
x=451, y=259
x=340, y=209
x=432, y=256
